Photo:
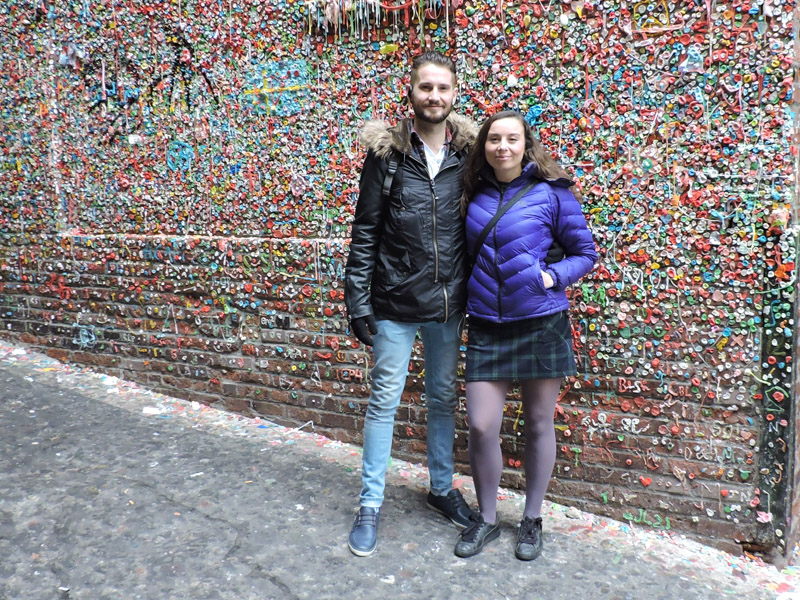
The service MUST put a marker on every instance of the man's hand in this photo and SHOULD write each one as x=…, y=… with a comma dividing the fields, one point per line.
x=364, y=328
x=555, y=254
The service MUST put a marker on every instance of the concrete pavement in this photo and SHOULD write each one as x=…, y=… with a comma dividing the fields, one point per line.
x=109, y=491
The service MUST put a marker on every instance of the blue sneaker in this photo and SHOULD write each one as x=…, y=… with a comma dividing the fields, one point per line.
x=364, y=535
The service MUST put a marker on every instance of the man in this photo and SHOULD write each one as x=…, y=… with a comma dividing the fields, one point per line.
x=406, y=272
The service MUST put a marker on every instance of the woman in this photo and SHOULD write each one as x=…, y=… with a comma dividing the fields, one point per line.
x=519, y=330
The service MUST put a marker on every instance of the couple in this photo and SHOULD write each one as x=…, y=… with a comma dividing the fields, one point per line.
x=408, y=271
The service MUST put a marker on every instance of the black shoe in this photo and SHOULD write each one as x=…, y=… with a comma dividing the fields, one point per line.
x=453, y=506
x=476, y=536
x=364, y=534
x=529, y=544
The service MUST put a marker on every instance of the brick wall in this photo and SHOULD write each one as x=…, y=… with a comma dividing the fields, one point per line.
x=179, y=182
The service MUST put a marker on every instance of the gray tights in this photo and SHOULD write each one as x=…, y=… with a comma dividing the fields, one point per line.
x=485, y=404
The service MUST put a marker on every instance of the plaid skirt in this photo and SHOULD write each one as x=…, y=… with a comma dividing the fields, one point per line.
x=539, y=348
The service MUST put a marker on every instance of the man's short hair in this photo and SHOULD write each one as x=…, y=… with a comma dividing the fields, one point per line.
x=433, y=58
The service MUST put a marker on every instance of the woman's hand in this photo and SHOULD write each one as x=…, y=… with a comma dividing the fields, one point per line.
x=548, y=280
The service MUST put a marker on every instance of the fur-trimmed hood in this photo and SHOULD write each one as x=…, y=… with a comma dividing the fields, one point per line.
x=382, y=138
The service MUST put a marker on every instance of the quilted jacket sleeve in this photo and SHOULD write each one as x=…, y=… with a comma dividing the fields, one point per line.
x=573, y=234
x=365, y=238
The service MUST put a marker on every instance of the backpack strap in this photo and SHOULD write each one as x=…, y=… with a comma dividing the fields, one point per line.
x=386, y=190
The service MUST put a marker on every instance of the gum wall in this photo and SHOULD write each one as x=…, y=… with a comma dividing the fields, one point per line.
x=178, y=179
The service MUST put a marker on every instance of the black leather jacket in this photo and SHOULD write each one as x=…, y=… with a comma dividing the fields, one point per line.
x=407, y=259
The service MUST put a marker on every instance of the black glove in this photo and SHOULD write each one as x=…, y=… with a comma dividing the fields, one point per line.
x=362, y=328
x=555, y=254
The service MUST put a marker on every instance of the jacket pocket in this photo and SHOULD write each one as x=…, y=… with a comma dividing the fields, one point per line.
x=537, y=281
x=396, y=259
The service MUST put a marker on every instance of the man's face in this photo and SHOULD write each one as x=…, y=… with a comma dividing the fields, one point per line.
x=433, y=93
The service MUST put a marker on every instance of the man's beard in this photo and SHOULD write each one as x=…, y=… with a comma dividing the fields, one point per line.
x=420, y=113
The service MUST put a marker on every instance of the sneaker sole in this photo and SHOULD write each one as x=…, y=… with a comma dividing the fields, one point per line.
x=358, y=552
x=451, y=519
x=489, y=538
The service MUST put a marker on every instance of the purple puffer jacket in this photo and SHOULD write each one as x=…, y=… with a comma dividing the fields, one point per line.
x=506, y=283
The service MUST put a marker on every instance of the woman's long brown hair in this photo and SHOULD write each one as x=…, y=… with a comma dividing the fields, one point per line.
x=534, y=152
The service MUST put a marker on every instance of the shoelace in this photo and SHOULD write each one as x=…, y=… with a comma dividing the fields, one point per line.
x=528, y=528
x=367, y=519
x=471, y=532
x=458, y=502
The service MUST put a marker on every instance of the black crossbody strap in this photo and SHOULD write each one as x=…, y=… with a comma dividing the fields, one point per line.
x=500, y=212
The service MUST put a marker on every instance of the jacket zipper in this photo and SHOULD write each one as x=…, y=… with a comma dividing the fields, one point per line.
x=436, y=251
x=446, y=308
x=435, y=236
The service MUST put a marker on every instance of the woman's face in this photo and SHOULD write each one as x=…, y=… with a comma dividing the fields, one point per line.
x=505, y=147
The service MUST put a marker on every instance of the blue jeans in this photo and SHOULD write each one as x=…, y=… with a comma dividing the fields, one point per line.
x=392, y=352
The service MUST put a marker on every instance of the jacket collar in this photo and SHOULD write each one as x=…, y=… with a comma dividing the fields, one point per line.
x=383, y=138
x=530, y=172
